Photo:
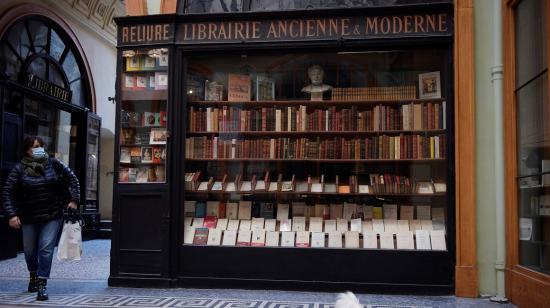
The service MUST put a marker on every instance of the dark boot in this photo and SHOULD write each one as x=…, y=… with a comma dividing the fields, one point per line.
x=32, y=282
x=42, y=295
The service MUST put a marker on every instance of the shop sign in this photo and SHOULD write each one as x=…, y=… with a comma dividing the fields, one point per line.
x=356, y=27
x=48, y=88
x=145, y=34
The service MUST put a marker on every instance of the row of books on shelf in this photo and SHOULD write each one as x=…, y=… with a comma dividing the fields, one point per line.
x=374, y=93
x=420, y=116
x=132, y=118
x=147, y=63
x=540, y=205
x=372, y=147
x=149, y=136
x=377, y=184
x=419, y=240
x=142, y=82
x=145, y=174
x=152, y=155
x=247, y=210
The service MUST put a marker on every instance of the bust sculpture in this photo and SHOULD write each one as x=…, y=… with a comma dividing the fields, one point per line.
x=317, y=87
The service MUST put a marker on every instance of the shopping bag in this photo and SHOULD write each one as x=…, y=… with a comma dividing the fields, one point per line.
x=70, y=243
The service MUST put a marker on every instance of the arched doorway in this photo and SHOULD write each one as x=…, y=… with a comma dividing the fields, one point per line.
x=46, y=90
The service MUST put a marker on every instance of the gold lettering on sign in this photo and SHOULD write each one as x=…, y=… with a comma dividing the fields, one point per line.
x=271, y=33
x=408, y=24
x=293, y=25
x=147, y=33
x=442, y=22
x=256, y=29
x=310, y=23
x=333, y=27
x=321, y=27
x=431, y=23
x=372, y=25
x=283, y=28
x=345, y=26
x=397, y=25
x=385, y=25
x=125, y=36
x=419, y=24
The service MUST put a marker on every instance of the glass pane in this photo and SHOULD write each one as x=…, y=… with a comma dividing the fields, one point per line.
x=38, y=68
x=55, y=76
x=302, y=150
x=93, y=155
x=531, y=40
x=532, y=126
x=39, y=36
x=143, y=122
x=19, y=39
x=13, y=102
x=214, y=6
x=56, y=46
x=70, y=66
x=263, y=5
x=9, y=63
x=78, y=97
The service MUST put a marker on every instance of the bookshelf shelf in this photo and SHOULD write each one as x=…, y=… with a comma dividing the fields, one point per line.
x=294, y=193
x=314, y=160
x=313, y=103
x=316, y=133
x=141, y=145
x=144, y=95
x=142, y=164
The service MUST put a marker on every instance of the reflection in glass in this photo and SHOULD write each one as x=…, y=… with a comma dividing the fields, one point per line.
x=214, y=6
x=39, y=36
x=267, y=5
x=19, y=39
x=9, y=63
x=56, y=46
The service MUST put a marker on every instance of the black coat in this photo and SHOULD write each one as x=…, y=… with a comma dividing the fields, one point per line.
x=42, y=198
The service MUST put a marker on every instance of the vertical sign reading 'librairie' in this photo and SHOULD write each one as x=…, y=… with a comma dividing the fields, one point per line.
x=145, y=34
x=355, y=27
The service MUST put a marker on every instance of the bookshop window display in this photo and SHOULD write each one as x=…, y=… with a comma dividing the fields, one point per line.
x=143, y=118
x=317, y=150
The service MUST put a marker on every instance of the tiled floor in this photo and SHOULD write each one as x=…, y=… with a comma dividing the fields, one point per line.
x=83, y=284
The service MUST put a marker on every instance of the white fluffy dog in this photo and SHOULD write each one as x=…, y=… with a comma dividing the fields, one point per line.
x=347, y=300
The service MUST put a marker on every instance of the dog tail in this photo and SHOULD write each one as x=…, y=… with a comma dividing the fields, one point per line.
x=347, y=300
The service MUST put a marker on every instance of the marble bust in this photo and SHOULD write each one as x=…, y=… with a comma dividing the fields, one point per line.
x=317, y=87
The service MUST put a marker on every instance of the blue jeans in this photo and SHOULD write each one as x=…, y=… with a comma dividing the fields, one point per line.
x=38, y=243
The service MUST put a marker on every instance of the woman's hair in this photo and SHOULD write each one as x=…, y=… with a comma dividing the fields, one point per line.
x=28, y=142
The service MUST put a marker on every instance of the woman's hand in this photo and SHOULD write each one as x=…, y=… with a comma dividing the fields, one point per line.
x=71, y=206
x=15, y=222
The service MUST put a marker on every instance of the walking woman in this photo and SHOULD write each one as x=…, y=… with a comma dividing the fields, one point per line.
x=34, y=197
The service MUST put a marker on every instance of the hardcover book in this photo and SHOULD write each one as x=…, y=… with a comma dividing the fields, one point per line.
x=272, y=238
x=229, y=237
x=302, y=239
x=287, y=239
x=342, y=225
x=270, y=224
x=405, y=240
x=298, y=224
x=351, y=239
x=335, y=239
x=285, y=225
x=316, y=224
x=238, y=88
x=370, y=240
x=317, y=239
x=265, y=88
x=201, y=236
x=258, y=238
x=214, y=237
x=245, y=210
x=330, y=225
x=244, y=237
x=386, y=240
x=423, y=240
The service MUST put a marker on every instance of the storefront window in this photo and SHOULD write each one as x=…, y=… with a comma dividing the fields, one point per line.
x=533, y=135
x=268, y=5
x=317, y=150
x=143, y=116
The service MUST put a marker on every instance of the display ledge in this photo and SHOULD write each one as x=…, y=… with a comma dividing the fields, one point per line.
x=293, y=193
x=144, y=95
x=141, y=144
x=533, y=242
x=152, y=70
x=343, y=249
x=315, y=160
x=316, y=133
x=356, y=269
x=323, y=103
x=140, y=163
x=142, y=126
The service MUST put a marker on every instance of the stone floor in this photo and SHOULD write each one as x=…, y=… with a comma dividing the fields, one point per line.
x=83, y=284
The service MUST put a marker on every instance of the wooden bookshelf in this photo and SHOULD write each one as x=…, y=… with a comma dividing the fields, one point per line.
x=309, y=103
x=144, y=95
x=317, y=133
x=294, y=193
x=314, y=160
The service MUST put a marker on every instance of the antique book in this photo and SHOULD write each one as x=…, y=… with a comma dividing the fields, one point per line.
x=335, y=239
x=377, y=212
x=197, y=222
x=285, y=225
x=423, y=212
x=200, y=209
x=265, y=88
x=368, y=212
x=258, y=238
x=316, y=224
x=229, y=237
x=330, y=225
x=245, y=209
x=201, y=236
x=390, y=211
x=161, y=81
x=356, y=225
x=370, y=240
x=232, y=210
x=267, y=210
x=405, y=240
x=406, y=212
x=244, y=237
x=386, y=241
x=378, y=225
x=438, y=240
x=302, y=238
x=212, y=208
x=213, y=91
x=426, y=225
x=125, y=156
x=272, y=238
x=282, y=211
x=222, y=224
x=423, y=240
x=257, y=224
x=270, y=224
x=390, y=225
x=317, y=239
x=287, y=238
x=238, y=88
x=233, y=225
x=342, y=225
x=351, y=239
x=210, y=222
x=188, y=234
x=214, y=237
x=298, y=224
x=245, y=225
x=367, y=226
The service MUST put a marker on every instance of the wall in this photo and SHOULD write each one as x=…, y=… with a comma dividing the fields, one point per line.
x=485, y=149
x=101, y=56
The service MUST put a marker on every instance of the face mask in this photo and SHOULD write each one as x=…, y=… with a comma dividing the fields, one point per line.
x=38, y=152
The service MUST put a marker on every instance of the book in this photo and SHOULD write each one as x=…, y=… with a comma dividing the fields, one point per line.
x=258, y=238
x=426, y=225
x=125, y=156
x=212, y=208
x=415, y=225
x=406, y=212
x=197, y=222
x=210, y=222
x=349, y=210
x=161, y=81
x=386, y=240
x=317, y=239
x=330, y=225
x=213, y=91
x=244, y=237
x=282, y=211
x=368, y=212
x=133, y=63
x=405, y=240
x=245, y=225
x=272, y=239
x=233, y=225
x=423, y=212
x=370, y=240
x=298, y=209
x=378, y=225
x=135, y=155
x=270, y=224
x=341, y=225
x=336, y=211
x=302, y=238
x=390, y=211
x=298, y=224
x=200, y=209
x=187, y=221
x=245, y=210
x=142, y=175
x=265, y=88
x=351, y=239
x=158, y=136
x=367, y=226
x=322, y=210
x=423, y=240
x=287, y=238
x=257, y=224
x=356, y=225
x=377, y=212
x=285, y=225
x=229, y=237
x=390, y=226
x=437, y=238
x=214, y=237
x=238, y=88
x=335, y=239
x=188, y=234
x=402, y=225
x=222, y=224
x=201, y=236
x=316, y=224
x=232, y=210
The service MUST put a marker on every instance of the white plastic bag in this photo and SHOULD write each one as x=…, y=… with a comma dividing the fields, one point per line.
x=70, y=243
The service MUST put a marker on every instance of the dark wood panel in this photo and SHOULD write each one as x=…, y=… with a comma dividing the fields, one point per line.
x=140, y=263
